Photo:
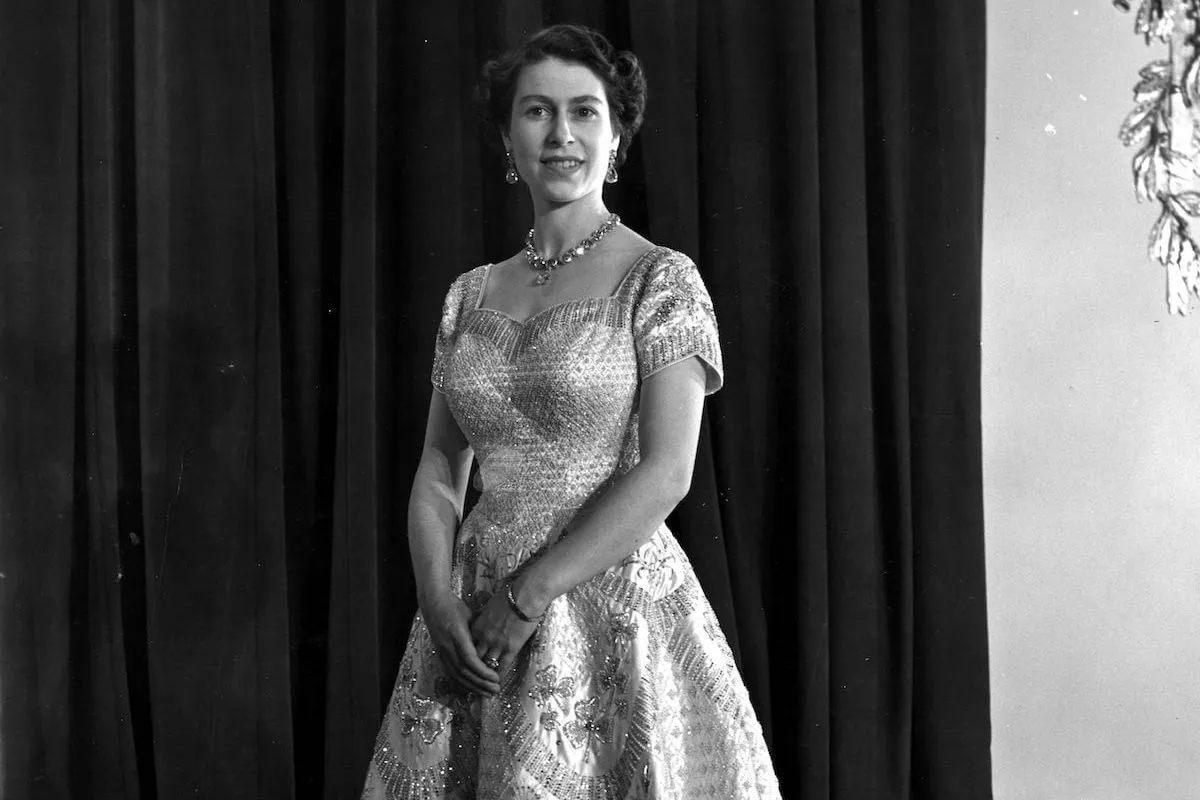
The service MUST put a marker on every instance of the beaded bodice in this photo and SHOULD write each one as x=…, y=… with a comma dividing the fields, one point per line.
x=550, y=404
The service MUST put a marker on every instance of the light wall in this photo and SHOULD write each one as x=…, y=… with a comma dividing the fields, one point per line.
x=1091, y=419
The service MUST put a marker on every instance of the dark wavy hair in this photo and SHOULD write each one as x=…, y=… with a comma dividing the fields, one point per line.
x=619, y=71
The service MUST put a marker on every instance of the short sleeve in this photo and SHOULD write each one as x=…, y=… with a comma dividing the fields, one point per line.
x=446, y=333
x=674, y=320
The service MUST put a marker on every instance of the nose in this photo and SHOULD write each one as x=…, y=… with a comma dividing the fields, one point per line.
x=561, y=134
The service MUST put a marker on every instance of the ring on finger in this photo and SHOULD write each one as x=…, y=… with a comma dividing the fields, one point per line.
x=492, y=662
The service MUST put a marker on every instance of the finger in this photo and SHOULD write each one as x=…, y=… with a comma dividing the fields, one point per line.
x=474, y=630
x=473, y=683
x=468, y=663
x=471, y=664
x=477, y=684
x=492, y=660
x=468, y=655
x=453, y=669
x=457, y=679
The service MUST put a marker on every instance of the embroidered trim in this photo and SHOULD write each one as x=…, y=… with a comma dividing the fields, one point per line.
x=671, y=350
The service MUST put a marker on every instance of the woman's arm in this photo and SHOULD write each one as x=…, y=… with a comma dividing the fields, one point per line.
x=621, y=521
x=434, y=513
x=436, y=502
x=633, y=508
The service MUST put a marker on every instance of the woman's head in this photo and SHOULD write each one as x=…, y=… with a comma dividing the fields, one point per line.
x=563, y=92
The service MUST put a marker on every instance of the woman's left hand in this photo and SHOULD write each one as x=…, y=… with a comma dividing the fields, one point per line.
x=498, y=633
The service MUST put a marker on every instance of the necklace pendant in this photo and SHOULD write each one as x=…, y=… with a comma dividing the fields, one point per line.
x=545, y=267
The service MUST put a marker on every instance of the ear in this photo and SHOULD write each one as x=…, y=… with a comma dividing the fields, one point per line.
x=507, y=142
x=616, y=143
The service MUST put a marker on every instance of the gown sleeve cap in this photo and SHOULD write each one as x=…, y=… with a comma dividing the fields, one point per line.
x=674, y=320
x=447, y=330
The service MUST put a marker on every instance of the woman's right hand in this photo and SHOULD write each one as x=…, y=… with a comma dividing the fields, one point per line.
x=449, y=621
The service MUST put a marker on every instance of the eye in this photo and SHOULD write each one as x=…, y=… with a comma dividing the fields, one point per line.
x=587, y=112
x=536, y=111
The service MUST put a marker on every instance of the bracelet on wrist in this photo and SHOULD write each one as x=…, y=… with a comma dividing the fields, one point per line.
x=516, y=609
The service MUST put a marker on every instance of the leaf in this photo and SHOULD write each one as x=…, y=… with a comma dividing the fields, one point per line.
x=1191, y=276
x=1143, y=175
x=1187, y=253
x=1142, y=22
x=1178, y=296
x=1191, y=80
x=1152, y=79
x=1137, y=123
x=1179, y=164
x=1189, y=202
x=1148, y=172
x=1152, y=24
x=1159, y=68
x=1160, y=237
x=1159, y=166
x=1148, y=94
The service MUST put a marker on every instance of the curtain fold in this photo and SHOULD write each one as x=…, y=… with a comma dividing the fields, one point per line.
x=225, y=233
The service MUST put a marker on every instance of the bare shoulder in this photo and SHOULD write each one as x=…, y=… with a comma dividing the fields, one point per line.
x=628, y=242
x=510, y=270
x=623, y=250
x=517, y=259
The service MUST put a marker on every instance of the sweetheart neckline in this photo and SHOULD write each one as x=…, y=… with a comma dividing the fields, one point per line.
x=528, y=321
x=613, y=296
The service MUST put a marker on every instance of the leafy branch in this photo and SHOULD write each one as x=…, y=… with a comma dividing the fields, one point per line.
x=1166, y=159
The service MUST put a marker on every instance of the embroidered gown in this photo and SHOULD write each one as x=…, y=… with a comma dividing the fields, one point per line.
x=628, y=688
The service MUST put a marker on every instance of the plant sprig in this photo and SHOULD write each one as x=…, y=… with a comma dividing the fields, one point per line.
x=1160, y=168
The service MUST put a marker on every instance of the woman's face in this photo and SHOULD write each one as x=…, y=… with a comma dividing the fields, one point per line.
x=560, y=133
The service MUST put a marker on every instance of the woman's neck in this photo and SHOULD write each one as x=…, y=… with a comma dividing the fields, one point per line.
x=555, y=228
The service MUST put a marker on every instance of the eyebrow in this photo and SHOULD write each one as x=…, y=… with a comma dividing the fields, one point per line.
x=585, y=98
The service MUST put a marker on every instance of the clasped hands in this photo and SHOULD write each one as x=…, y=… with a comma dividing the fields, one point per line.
x=477, y=651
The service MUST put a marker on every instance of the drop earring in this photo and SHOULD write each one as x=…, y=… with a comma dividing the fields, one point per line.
x=510, y=175
x=611, y=175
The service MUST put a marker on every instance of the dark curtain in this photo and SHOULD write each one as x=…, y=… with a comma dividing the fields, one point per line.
x=225, y=232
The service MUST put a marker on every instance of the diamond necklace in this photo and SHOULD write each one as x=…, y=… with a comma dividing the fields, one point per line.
x=545, y=267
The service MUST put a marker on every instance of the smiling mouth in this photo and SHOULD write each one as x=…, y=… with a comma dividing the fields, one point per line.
x=563, y=163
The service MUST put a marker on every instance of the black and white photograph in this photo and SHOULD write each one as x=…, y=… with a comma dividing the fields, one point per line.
x=599, y=400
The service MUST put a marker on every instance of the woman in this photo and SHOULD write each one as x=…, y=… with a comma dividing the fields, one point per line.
x=563, y=647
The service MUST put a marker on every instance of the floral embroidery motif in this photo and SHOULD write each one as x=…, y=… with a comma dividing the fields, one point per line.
x=589, y=726
x=623, y=628
x=547, y=685
x=683, y=292
x=425, y=718
x=588, y=723
x=652, y=564
x=461, y=702
x=502, y=565
x=611, y=678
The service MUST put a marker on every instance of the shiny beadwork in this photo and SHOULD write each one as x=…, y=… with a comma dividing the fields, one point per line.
x=545, y=266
